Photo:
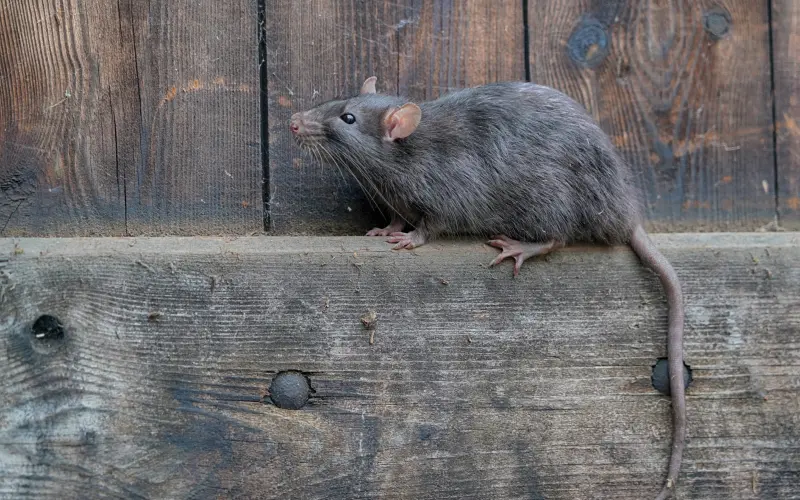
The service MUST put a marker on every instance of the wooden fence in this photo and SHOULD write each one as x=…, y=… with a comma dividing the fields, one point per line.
x=169, y=117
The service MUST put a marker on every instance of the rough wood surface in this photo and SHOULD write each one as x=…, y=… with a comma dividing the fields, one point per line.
x=786, y=68
x=318, y=50
x=129, y=118
x=477, y=385
x=683, y=88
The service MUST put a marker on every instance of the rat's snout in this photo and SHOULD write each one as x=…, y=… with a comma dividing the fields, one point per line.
x=296, y=123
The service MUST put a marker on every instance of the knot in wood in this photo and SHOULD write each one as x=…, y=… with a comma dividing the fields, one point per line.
x=290, y=390
x=588, y=44
x=717, y=22
x=660, y=376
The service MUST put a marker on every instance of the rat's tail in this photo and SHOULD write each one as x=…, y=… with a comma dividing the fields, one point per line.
x=652, y=258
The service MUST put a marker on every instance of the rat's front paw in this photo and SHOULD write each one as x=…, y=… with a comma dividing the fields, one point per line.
x=377, y=231
x=409, y=240
x=394, y=226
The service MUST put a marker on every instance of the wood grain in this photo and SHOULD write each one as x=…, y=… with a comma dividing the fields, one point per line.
x=683, y=90
x=129, y=118
x=69, y=118
x=786, y=69
x=477, y=385
x=202, y=171
x=318, y=50
x=446, y=46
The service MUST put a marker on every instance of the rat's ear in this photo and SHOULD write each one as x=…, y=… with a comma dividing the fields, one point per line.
x=401, y=122
x=368, y=87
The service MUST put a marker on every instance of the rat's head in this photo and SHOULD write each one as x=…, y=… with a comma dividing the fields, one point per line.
x=367, y=122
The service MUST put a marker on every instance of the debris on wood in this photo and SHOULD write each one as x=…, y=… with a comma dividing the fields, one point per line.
x=154, y=316
x=144, y=265
x=370, y=320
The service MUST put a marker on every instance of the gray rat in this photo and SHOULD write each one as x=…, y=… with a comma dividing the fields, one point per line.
x=519, y=163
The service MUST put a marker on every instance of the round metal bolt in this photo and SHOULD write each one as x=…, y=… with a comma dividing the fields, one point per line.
x=290, y=390
x=717, y=22
x=47, y=332
x=660, y=377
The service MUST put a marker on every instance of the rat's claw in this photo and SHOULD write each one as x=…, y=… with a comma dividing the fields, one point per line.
x=518, y=251
x=402, y=239
x=404, y=244
x=505, y=254
x=405, y=240
x=393, y=227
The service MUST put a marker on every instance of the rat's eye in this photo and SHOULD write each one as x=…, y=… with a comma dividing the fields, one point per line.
x=348, y=118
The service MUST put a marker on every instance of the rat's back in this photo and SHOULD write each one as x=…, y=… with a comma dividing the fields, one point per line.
x=524, y=160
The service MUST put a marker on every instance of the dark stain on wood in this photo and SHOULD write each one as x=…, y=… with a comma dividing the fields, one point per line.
x=552, y=399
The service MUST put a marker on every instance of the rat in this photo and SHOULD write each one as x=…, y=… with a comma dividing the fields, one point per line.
x=521, y=164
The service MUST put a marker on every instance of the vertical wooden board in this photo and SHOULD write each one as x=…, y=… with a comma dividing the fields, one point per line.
x=683, y=89
x=129, y=117
x=318, y=50
x=201, y=169
x=69, y=118
x=786, y=68
x=449, y=45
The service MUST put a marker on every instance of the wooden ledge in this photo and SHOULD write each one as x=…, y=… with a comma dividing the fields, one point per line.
x=142, y=367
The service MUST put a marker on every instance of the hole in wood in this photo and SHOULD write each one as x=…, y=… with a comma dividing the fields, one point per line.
x=47, y=332
x=660, y=377
x=290, y=390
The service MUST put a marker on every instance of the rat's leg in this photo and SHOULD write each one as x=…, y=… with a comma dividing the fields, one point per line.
x=412, y=239
x=520, y=251
x=395, y=225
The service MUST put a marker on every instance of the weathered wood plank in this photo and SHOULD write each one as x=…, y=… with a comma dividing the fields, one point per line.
x=129, y=118
x=200, y=92
x=318, y=50
x=786, y=69
x=477, y=385
x=451, y=45
x=69, y=118
x=682, y=88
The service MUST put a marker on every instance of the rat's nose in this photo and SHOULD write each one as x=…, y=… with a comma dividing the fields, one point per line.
x=294, y=123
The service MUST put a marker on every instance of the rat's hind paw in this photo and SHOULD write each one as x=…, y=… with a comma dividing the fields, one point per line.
x=518, y=251
x=409, y=240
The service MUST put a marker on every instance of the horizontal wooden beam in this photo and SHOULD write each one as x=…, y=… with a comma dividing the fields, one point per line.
x=142, y=367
